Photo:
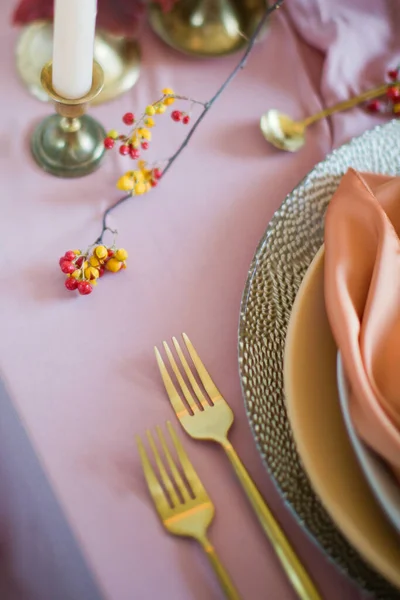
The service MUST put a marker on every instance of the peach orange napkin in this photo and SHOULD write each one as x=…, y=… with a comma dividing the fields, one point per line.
x=362, y=296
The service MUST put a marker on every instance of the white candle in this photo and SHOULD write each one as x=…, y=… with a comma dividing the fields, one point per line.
x=74, y=28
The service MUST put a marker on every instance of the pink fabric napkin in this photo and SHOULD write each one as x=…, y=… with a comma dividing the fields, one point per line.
x=362, y=295
x=359, y=41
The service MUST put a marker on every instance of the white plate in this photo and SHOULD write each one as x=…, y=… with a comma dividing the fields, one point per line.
x=383, y=484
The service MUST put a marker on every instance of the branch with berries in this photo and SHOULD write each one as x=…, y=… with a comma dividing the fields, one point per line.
x=144, y=177
x=83, y=269
x=389, y=104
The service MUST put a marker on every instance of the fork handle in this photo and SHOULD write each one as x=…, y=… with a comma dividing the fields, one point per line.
x=290, y=562
x=220, y=571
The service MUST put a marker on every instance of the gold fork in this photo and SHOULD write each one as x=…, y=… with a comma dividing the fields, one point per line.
x=184, y=510
x=210, y=419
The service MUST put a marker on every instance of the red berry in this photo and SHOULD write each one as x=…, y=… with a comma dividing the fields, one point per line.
x=79, y=262
x=84, y=288
x=393, y=74
x=176, y=115
x=153, y=183
x=393, y=93
x=157, y=173
x=71, y=284
x=62, y=259
x=70, y=255
x=128, y=118
x=109, y=143
x=186, y=119
x=67, y=267
x=374, y=106
x=145, y=145
x=110, y=252
x=134, y=153
x=124, y=150
x=101, y=271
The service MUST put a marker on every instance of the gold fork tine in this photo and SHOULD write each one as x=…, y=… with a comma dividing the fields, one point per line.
x=186, y=392
x=188, y=468
x=174, y=471
x=165, y=478
x=206, y=380
x=177, y=404
x=188, y=371
x=155, y=489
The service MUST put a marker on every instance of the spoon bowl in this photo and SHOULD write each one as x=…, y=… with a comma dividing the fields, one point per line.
x=282, y=131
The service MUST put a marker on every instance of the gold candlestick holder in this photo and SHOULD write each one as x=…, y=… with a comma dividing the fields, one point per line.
x=118, y=55
x=69, y=143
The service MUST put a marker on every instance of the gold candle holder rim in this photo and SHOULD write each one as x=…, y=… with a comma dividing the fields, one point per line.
x=46, y=77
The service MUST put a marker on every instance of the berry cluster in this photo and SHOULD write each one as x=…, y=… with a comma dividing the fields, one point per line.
x=391, y=103
x=139, y=136
x=178, y=115
x=142, y=179
x=83, y=270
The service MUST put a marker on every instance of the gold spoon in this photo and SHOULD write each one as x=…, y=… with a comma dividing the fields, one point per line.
x=286, y=134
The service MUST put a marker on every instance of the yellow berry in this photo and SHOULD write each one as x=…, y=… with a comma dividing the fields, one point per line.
x=85, y=265
x=76, y=274
x=113, y=134
x=140, y=188
x=125, y=183
x=150, y=110
x=144, y=133
x=148, y=186
x=94, y=261
x=121, y=254
x=167, y=92
x=160, y=109
x=138, y=175
x=149, y=122
x=101, y=252
x=396, y=108
x=141, y=164
x=91, y=273
x=77, y=252
x=113, y=265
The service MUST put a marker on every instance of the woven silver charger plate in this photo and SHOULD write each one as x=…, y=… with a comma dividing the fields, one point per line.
x=281, y=260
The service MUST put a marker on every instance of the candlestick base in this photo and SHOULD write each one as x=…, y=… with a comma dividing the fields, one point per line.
x=70, y=143
x=118, y=56
x=68, y=147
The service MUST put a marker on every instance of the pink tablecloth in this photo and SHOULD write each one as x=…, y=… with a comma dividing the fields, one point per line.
x=76, y=521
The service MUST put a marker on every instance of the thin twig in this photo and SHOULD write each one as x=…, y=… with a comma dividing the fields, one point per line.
x=206, y=105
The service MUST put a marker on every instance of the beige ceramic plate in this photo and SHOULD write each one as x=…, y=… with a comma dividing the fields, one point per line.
x=320, y=433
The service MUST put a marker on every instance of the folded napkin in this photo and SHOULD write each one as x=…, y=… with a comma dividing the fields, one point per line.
x=362, y=296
